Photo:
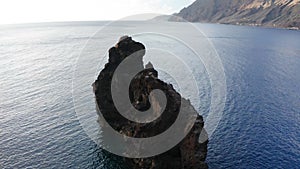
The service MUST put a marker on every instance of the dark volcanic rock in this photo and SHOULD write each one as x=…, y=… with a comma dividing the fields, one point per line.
x=189, y=153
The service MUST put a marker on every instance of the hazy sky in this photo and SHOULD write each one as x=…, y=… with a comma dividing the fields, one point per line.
x=28, y=11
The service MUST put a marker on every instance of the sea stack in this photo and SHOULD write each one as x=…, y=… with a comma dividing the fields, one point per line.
x=187, y=154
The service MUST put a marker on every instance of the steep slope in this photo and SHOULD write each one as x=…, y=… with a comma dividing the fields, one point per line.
x=189, y=153
x=271, y=13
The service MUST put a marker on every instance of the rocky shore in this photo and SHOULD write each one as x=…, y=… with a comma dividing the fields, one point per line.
x=266, y=13
x=189, y=153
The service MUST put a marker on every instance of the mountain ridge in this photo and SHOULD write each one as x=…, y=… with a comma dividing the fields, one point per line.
x=268, y=13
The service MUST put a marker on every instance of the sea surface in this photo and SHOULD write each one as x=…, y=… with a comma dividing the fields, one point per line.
x=40, y=126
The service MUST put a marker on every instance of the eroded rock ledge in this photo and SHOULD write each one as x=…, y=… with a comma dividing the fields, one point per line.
x=189, y=153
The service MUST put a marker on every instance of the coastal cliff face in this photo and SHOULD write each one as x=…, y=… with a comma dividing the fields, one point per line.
x=189, y=153
x=271, y=13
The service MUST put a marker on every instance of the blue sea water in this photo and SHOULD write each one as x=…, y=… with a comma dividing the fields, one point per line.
x=39, y=127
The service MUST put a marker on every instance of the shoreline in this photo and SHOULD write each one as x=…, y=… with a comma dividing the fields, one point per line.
x=76, y=23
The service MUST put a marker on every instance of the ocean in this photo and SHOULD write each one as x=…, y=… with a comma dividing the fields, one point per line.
x=47, y=122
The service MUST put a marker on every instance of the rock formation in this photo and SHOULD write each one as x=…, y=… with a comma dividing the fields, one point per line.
x=189, y=153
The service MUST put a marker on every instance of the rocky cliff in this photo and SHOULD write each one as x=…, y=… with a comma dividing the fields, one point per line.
x=271, y=13
x=189, y=153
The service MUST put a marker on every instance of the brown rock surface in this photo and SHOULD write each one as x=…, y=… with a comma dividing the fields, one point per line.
x=269, y=13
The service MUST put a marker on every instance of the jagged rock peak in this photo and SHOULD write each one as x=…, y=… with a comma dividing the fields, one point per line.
x=189, y=153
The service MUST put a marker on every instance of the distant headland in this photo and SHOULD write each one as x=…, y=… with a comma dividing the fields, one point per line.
x=266, y=13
